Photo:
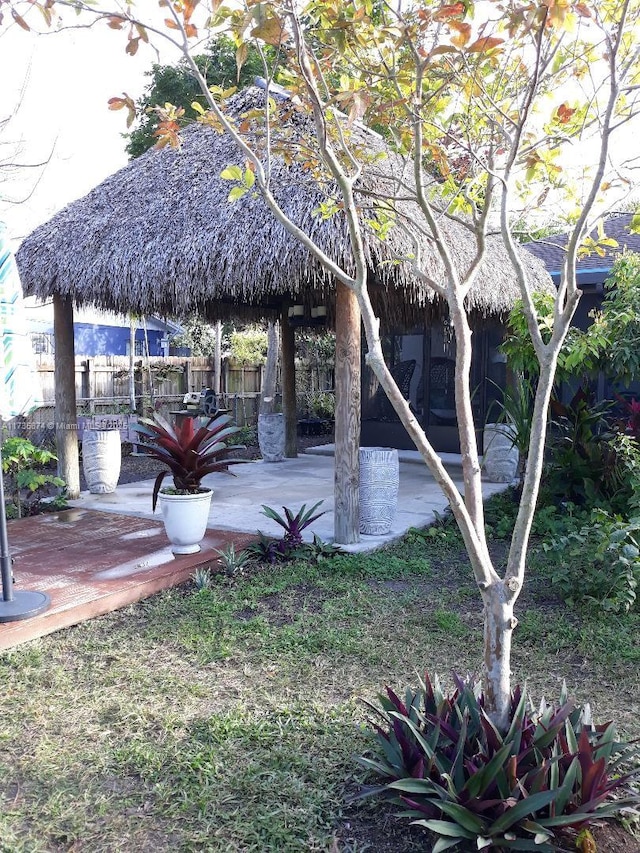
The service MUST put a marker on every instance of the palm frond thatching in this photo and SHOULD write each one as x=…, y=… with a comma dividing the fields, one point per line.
x=160, y=237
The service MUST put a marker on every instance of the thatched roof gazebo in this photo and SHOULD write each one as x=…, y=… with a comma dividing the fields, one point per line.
x=160, y=237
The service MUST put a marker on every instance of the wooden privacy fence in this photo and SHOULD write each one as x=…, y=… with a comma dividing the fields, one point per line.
x=102, y=389
x=108, y=377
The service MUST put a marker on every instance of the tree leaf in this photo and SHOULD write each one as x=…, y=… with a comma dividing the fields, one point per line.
x=485, y=44
x=271, y=31
x=237, y=193
x=231, y=173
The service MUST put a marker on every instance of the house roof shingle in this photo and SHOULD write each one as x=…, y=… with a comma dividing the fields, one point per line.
x=551, y=252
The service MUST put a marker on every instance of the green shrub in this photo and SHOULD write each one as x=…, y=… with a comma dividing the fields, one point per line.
x=28, y=484
x=246, y=435
x=441, y=759
x=599, y=564
x=550, y=519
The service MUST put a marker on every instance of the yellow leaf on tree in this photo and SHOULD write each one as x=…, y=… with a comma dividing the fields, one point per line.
x=236, y=193
x=231, y=173
x=271, y=31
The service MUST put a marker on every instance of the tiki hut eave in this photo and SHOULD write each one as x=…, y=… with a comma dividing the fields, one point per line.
x=160, y=237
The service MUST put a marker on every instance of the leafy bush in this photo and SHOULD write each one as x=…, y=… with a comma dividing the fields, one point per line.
x=599, y=564
x=247, y=436
x=550, y=519
x=455, y=774
x=581, y=466
x=590, y=463
x=27, y=485
x=515, y=408
x=319, y=404
x=630, y=415
x=581, y=353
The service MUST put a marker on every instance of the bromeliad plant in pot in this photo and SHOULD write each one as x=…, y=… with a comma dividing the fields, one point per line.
x=189, y=453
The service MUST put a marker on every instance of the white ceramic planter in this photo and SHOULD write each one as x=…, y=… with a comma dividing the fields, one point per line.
x=271, y=437
x=185, y=519
x=101, y=459
x=379, y=483
x=500, y=456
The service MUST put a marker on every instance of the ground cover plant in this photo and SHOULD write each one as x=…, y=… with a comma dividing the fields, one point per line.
x=230, y=718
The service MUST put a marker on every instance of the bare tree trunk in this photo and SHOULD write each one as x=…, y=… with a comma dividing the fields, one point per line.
x=270, y=373
x=499, y=623
x=217, y=361
x=147, y=362
x=132, y=366
x=289, y=404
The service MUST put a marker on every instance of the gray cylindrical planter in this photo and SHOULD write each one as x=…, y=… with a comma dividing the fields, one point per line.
x=379, y=482
x=271, y=437
x=101, y=459
x=500, y=457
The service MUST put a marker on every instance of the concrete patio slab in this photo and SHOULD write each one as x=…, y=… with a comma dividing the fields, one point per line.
x=91, y=563
x=237, y=500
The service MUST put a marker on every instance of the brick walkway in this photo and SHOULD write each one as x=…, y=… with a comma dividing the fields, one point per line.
x=91, y=563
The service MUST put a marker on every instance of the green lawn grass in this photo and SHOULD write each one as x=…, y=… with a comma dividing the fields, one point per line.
x=228, y=719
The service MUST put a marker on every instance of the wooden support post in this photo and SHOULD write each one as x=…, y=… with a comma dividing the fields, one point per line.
x=269, y=374
x=65, y=390
x=347, y=436
x=289, y=403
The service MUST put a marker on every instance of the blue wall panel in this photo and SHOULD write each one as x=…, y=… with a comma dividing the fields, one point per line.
x=93, y=339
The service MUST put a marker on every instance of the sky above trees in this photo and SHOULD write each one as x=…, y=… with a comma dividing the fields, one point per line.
x=67, y=80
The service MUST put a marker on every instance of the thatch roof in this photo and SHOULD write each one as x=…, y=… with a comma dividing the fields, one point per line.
x=159, y=237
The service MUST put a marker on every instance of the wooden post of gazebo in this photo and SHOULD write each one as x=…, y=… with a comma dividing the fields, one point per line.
x=347, y=418
x=65, y=390
x=289, y=403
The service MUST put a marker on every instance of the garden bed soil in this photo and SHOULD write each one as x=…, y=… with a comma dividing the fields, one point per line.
x=136, y=467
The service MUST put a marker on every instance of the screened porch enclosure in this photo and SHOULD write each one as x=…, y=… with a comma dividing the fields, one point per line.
x=422, y=362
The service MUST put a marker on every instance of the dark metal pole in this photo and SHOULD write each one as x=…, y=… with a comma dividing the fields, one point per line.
x=5, y=556
x=15, y=605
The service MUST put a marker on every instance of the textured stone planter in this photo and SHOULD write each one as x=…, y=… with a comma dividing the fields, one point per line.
x=271, y=437
x=185, y=519
x=379, y=482
x=500, y=458
x=101, y=459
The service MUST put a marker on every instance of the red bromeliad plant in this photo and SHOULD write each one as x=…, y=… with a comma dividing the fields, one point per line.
x=631, y=415
x=189, y=453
